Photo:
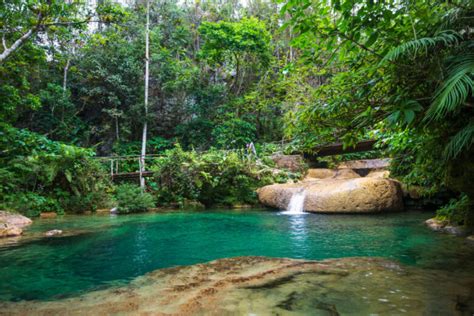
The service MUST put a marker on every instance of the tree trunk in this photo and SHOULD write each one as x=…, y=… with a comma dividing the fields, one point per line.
x=117, y=134
x=147, y=76
x=66, y=70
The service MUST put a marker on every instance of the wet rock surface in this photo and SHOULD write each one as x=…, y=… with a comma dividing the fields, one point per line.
x=338, y=195
x=14, y=219
x=444, y=227
x=263, y=286
x=11, y=225
x=53, y=232
x=8, y=230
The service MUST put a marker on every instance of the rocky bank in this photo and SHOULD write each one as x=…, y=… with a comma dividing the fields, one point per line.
x=12, y=225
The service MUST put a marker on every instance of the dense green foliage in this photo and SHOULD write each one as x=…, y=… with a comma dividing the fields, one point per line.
x=38, y=174
x=216, y=177
x=224, y=74
x=397, y=72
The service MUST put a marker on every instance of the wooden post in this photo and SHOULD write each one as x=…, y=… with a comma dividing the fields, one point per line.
x=111, y=167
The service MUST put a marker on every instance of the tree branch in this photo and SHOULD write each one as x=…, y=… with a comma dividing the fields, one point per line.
x=19, y=42
x=4, y=43
x=8, y=51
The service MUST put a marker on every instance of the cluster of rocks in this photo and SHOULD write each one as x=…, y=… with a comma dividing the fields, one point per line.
x=12, y=225
x=361, y=186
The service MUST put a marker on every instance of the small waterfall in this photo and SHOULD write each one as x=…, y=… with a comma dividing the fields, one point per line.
x=296, y=204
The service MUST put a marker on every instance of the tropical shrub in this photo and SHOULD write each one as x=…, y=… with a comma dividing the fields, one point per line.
x=38, y=174
x=131, y=199
x=456, y=210
x=215, y=177
x=32, y=204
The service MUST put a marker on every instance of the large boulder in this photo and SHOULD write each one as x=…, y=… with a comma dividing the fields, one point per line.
x=14, y=219
x=356, y=195
x=9, y=230
x=12, y=224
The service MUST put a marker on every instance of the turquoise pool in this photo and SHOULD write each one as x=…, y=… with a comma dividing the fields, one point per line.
x=110, y=250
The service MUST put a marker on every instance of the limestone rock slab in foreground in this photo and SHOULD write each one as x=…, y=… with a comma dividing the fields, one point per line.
x=272, y=286
x=357, y=195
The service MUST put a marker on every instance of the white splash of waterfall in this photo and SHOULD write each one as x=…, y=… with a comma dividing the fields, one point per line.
x=296, y=204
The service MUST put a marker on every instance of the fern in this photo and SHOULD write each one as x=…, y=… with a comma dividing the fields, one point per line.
x=455, y=90
x=445, y=38
x=460, y=142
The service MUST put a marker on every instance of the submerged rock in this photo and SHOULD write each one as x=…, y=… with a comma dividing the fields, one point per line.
x=273, y=286
x=53, y=232
x=357, y=195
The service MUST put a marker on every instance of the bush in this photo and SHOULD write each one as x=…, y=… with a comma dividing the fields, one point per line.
x=32, y=204
x=456, y=211
x=47, y=175
x=215, y=177
x=130, y=199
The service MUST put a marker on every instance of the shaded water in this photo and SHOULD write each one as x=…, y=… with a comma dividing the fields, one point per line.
x=113, y=250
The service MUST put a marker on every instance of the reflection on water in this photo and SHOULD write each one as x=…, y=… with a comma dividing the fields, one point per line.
x=298, y=234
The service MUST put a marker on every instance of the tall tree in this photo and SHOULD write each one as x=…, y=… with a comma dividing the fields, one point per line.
x=147, y=77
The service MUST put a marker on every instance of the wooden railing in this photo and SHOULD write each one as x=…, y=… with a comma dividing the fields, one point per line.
x=115, y=163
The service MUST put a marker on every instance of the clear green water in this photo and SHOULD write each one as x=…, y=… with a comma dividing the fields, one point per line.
x=112, y=250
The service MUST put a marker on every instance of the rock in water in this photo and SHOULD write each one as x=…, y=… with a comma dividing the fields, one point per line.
x=8, y=230
x=48, y=215
x=14, y=219
x=273, y=286
x=444, y=227
x=358, y=195
x=53, y=232
x=12, y=224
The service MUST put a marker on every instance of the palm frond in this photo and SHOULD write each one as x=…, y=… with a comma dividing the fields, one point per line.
x=458, y=85
x=445, y=38
x=451, y=18
x=460, y=142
